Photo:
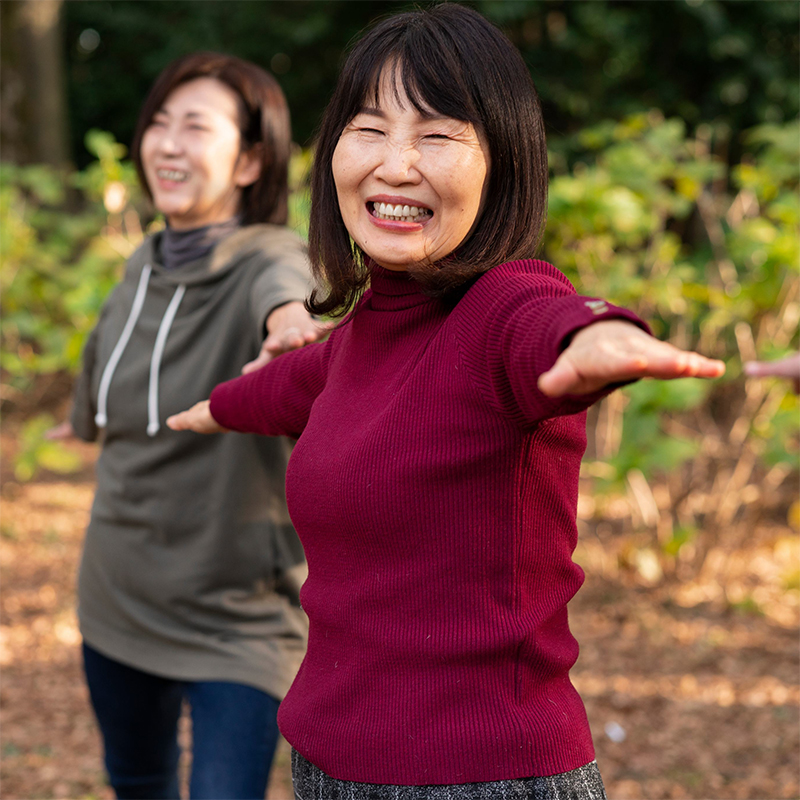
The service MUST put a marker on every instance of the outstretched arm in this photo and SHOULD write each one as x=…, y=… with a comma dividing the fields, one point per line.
x=272, y=401
x=615, y=351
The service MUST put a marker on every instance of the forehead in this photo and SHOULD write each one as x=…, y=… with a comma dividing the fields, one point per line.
x=202, y=95
x=392, y=86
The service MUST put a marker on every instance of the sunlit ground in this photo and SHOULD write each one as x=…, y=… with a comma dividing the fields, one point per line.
x=692, y=689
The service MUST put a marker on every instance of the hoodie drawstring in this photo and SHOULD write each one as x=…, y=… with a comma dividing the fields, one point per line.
x=101, y=418
x=153, y=424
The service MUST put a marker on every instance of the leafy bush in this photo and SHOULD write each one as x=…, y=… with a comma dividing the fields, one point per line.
x=653, y=220
x=64, y=239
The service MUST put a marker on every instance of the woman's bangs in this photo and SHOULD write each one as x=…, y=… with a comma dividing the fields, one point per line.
x=429, y=87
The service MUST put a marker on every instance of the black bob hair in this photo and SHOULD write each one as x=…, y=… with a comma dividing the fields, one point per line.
x=451, y=60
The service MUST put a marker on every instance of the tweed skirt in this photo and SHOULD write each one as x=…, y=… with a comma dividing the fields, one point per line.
x=584, y=783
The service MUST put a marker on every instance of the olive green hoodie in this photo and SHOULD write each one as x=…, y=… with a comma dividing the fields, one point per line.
x=189, y=551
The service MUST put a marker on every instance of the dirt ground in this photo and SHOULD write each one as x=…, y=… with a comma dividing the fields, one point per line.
x=691, y=689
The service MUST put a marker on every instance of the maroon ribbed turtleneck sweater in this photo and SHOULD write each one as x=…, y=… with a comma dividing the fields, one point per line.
x=434, y=489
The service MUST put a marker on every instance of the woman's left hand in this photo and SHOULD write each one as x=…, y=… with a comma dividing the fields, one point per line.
x=197, y=418
x=288, y=327
x=614, y=351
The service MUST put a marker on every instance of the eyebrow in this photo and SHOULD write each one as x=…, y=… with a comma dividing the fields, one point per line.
x=373, y=111
x=190, y=115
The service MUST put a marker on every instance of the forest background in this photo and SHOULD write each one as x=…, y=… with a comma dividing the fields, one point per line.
x=675, y=164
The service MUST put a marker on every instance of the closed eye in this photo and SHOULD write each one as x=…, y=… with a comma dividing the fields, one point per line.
x=436, y=136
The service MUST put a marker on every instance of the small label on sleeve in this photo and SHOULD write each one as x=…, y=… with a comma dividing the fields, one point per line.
x=597, y=306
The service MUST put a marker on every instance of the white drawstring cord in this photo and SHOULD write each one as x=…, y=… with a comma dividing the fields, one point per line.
x=153, y=424
x=101, y=417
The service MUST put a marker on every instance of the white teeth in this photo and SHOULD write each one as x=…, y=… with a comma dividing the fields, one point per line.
x=172, y=174
x=402, y=213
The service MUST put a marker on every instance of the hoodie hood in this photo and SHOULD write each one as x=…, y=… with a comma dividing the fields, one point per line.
x=224, y=257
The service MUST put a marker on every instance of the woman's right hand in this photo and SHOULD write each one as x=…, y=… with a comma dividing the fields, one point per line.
x=63, y=430
x=788, y=367
x=198, y=419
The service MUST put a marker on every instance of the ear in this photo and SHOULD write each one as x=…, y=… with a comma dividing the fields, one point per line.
x=248, y=166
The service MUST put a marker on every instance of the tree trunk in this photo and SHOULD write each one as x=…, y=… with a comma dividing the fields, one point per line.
x=33, y=117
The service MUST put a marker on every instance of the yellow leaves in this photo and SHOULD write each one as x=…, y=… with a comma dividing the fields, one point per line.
x=793, y=518
x=688, y=187
x=624, y=209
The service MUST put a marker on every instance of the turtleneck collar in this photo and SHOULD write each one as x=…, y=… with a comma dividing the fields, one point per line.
x=394, y=291
x=181, y=247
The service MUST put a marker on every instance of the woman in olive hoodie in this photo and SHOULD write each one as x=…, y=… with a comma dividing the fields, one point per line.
x=188, y=578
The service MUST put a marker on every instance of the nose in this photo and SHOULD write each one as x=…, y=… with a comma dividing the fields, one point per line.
x=169, y=143
x=399, y=163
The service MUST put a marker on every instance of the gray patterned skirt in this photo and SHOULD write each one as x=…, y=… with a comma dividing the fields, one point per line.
x=584, y=783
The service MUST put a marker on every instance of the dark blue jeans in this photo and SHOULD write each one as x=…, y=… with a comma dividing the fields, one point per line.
x=234, y=733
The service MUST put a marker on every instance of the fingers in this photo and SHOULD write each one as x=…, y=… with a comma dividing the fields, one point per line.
x=198, y=419
x=263, y=359
x=291, y=338
x=62, y=431
x=179, y=422
x=668, y=362
x=567, y=377
x=283, y=340
x=182, y=421
x=288, y=339
x=561, y=379
x=291, y=326
x=788, y=367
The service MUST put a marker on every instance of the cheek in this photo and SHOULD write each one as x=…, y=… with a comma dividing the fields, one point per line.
x=340, y=172
x=346, y=189
x=349, y=166
x=147, y=150
x=217, y=163
x=468, y=194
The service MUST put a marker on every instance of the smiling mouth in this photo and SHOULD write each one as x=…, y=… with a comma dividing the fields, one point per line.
x=177, y=175
x=399, y=213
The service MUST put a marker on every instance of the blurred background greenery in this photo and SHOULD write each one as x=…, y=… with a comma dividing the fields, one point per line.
x=675, y=150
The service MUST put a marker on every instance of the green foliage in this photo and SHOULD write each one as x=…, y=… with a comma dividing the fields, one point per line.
x=36, y=451
x=650, y=218
x=679, y=538
x=735, y=63
x=646, y=446
x=300, y=197
x=59, y=262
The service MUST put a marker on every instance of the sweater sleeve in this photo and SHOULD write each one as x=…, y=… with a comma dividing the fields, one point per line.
x=286, y=277
x=522, y=322
x=275, y=400
x=83, y=405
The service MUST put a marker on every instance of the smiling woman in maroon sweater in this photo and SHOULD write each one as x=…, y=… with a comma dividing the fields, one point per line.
x=440, y=430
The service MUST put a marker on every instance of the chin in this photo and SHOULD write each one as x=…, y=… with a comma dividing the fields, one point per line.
x=170, y=209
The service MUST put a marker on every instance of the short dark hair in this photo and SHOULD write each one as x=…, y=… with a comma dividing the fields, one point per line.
x=263, y=120
x=453, y=61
